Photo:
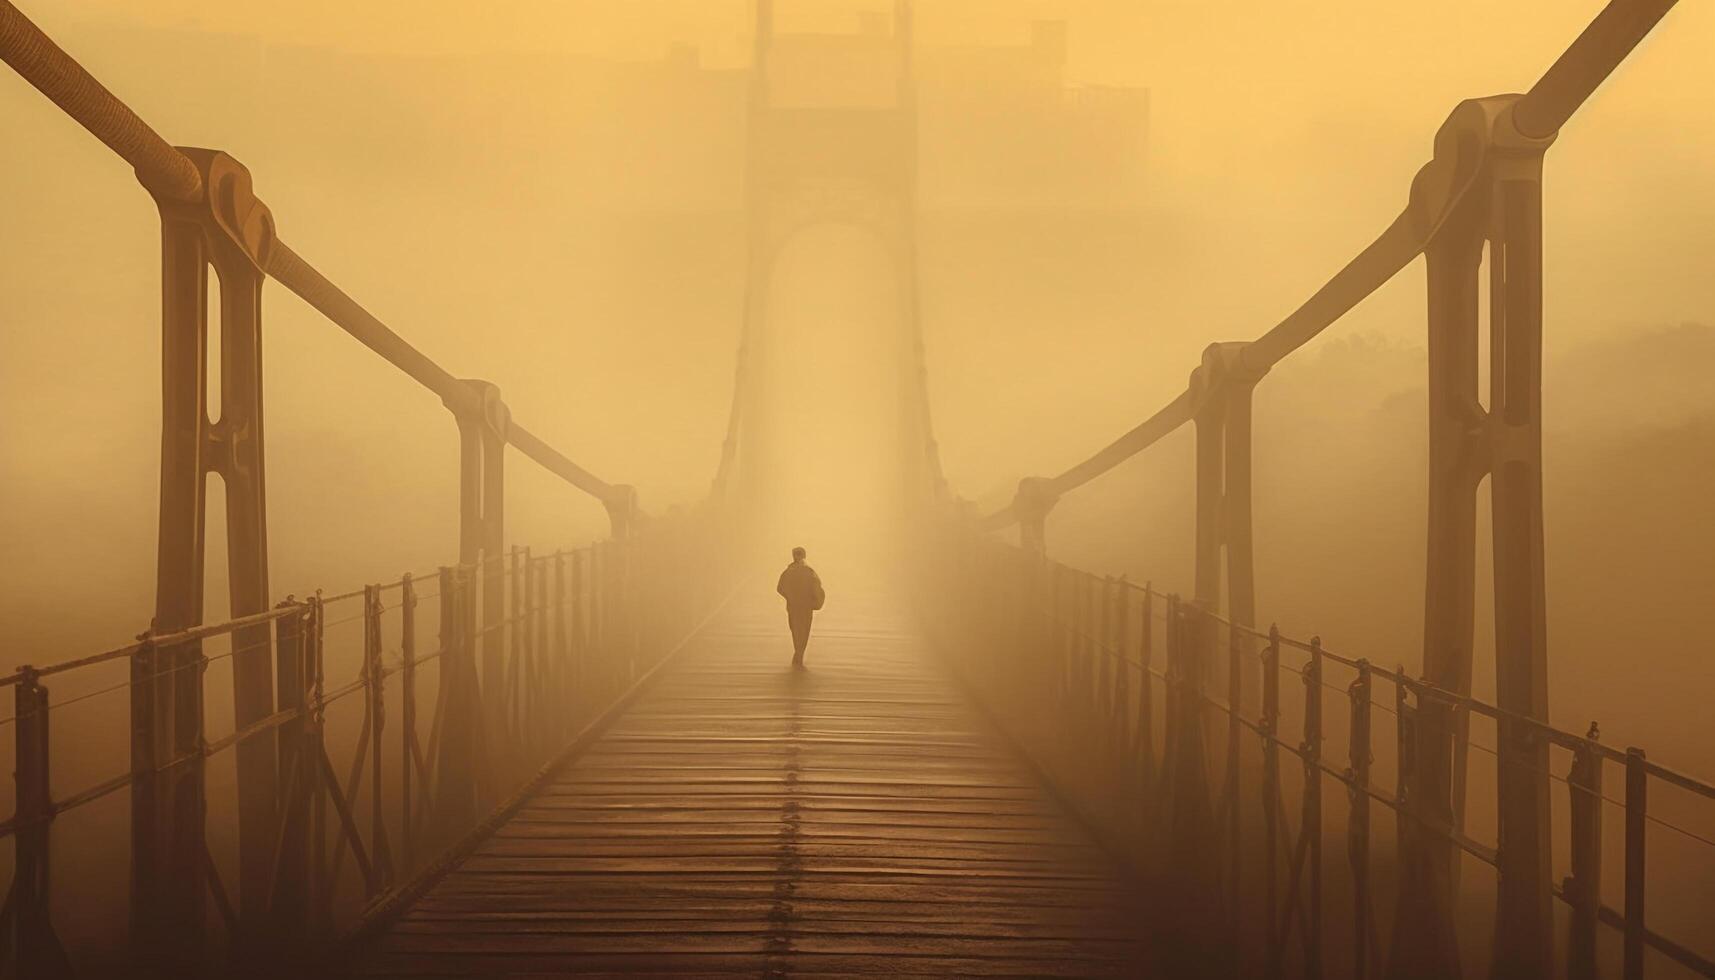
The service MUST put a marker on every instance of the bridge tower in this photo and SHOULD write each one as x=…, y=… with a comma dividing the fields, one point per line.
x=817, y=158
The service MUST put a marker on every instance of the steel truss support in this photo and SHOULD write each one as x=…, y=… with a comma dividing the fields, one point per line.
x=227, y=228
x=1221, y=398
x=482, y=544
x=1498, y=204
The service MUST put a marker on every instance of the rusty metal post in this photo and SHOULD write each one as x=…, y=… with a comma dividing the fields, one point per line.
x=1311, y=750
x=518, y=571
x=576, y=672
x=558, y=704
x=36, y=948
x=152, y=811
x=1235, y=857
x=375, y=672
x=1358, y=823
x=225, y=226
x=407, y=723
x=1637, y=810
x=288, y=909
x=482, y=535
x=1122, y=742
x=1191, y=865
x=1271, y=802
x=1105, y=647
x=1524, y=924
x=1236, y=499
x=1583, y=887
x=1146, y=700
x=1209, y=420
x=1425, y=943
x=461, y=712
x=315, y=756
x=1190, y=789
x=1222, y=386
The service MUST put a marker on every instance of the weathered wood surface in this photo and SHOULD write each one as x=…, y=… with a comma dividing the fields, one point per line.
x=742, y=818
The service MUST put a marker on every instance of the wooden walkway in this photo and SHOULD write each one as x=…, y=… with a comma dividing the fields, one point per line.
x=742, y=818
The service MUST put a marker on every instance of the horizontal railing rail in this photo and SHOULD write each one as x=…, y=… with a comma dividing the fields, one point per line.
x=167, y=171
x=1139, y=705
x=434, y=758
x=314, y=844
x=1474, y=211
x=1537, y=115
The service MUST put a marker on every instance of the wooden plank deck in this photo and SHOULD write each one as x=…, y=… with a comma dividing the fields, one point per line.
x=743, y=818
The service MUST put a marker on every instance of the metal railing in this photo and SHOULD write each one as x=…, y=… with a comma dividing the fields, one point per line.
x=1173, y=731
x=1474, y=209
x=434, y=762
x=520, y=671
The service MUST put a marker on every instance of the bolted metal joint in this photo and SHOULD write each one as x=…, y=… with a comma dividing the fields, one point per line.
x=1224, y=370
x=228, y=206
x=481, y=403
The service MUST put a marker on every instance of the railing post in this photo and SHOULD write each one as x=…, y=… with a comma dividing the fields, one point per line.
x=1122, y=740
x=151, y=808
x=36, y=948
x=1192, y=865
x=1105, y=648
x=1583, y=887
x=1146, y=703
x=315, y=750
x=541, y=705
x=375, y=690
x=560, y=662
x=577, y=661
x=1271, y=801
x=1312, y=827
x=408, y=724
x=168, y=879
x=519, y=641
x=1084, y=674
x=288, y=909
x=1637, y=809
x=460, y=708
x=1235, y=693
x=1358, y=823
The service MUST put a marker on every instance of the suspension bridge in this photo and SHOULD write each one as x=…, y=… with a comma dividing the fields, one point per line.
x=531, y=764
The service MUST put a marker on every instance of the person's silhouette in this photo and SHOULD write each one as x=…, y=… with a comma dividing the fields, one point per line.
x=801, y=587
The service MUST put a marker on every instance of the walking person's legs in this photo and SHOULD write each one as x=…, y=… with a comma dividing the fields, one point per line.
x=799, y=621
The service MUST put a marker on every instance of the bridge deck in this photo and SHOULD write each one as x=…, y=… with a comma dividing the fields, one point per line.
x=857, y=817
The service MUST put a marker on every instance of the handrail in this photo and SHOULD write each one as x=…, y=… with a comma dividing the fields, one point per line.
x=555, y=462
x=1583, y=66
x=290, y=270
x=1561, y=90
x=42, y=63
x=166, y=171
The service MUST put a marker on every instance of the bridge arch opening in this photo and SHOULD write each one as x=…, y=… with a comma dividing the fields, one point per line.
x=833, y=382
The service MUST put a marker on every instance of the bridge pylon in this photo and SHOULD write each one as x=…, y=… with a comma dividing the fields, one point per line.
x=224, y=227
x=811, y=163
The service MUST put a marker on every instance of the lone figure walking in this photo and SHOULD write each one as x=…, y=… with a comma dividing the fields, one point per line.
x=802, y=589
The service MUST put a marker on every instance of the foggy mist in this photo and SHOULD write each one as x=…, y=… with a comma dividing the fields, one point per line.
x=550, y=196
